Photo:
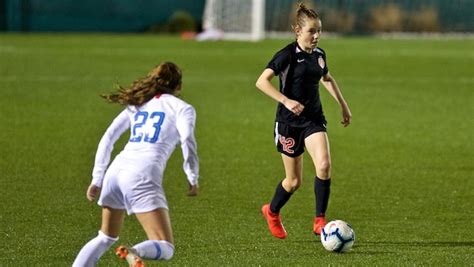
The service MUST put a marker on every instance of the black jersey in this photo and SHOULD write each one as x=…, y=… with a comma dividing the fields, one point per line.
x=299, y=74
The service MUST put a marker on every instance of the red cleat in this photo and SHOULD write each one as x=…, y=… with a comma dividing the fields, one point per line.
x=130, y=256
x=318, y=225
x=274, y=222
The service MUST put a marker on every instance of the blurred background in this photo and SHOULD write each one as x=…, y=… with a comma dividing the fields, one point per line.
x=174, y=16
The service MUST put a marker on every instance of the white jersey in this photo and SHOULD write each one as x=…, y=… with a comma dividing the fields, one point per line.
x=156, y=128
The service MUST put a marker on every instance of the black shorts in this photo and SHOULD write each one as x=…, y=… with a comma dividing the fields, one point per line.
x=289, y=140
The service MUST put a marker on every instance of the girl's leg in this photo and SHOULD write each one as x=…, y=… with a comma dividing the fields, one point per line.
x=160, y=241
x=283, y=192
x=112, y=221
x=317, y=145
x=292, y=181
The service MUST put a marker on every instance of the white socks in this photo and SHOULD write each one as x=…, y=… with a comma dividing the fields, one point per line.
x=155, y=250
x=93, y=250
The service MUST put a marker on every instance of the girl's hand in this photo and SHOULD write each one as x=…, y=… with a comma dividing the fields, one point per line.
x=293, y=106
x=346, y=116
x=92, y=192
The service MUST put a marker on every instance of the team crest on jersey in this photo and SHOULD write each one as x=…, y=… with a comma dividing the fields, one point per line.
x=321, y=62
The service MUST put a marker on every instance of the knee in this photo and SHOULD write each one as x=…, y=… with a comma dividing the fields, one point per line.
x=323, y=169
x=292, y=184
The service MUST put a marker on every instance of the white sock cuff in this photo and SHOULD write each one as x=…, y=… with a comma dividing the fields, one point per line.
x=167, y=254
x=167, y=243
x=108, y=238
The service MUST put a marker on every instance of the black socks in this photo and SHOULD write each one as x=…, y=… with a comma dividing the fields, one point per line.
x=279, y=199
x=321, y=190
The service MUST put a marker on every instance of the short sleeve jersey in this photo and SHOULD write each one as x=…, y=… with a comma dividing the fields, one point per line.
x=300, y=73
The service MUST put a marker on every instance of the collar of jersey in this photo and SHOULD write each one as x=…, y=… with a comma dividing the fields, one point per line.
x=298, y=49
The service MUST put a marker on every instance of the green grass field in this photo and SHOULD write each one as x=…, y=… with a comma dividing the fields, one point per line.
x=402, y=172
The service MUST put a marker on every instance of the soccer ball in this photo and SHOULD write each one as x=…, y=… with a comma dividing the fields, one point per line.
x=337, y=236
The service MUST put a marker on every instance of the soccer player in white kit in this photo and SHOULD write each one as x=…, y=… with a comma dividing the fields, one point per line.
x=158, y=121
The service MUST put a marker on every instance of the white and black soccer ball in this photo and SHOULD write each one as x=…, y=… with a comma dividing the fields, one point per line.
x=337, y=236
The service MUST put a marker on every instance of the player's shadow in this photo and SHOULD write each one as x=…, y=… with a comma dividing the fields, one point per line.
x=363, y=251
x=384, y=247
x=420, y=243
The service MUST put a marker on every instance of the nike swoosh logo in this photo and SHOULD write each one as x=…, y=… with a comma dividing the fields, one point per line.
x=300, y=60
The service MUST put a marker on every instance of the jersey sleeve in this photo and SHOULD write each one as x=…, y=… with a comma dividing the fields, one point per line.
x=279, y=61
x=102, y=157
x=325, y=69
x=186, y=121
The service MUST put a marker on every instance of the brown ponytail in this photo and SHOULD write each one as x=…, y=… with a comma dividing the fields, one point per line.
x=164, y=78
x=303, y=13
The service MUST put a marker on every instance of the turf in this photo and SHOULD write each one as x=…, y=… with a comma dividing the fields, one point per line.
x=402, y=172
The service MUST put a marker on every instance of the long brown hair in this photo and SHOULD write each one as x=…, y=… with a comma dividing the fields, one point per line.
x=303, y=13
x=164, y=78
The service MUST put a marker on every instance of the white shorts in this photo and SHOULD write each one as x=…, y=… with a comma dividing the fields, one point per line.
x=132, y=191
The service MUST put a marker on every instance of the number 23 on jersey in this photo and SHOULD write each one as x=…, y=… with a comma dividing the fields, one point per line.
x=146, y=126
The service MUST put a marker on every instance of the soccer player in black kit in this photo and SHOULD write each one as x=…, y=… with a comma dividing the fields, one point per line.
x=300, y=120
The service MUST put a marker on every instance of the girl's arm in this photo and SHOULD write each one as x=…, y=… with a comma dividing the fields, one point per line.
x=186, y=122
x=264, y=84
x=104, y=150
x=102, y=158
x=330, y=84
